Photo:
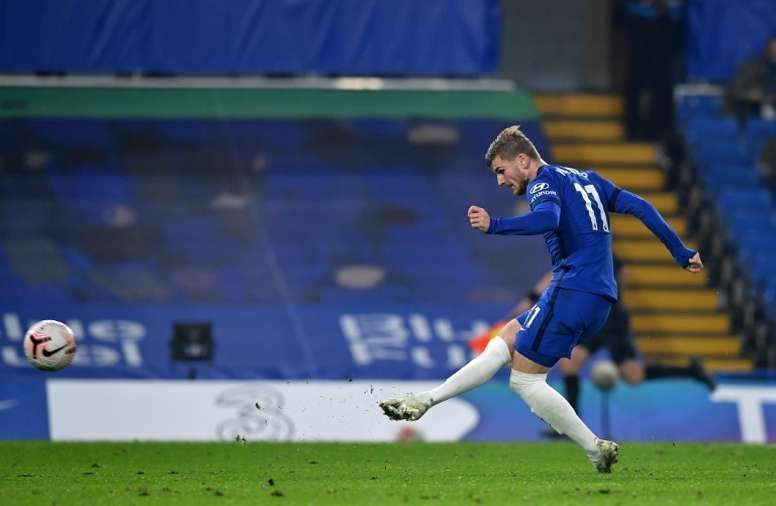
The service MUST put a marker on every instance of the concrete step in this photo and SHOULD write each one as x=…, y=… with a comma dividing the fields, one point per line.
x=671, y=299
x=713, y=365
x=665, y=202
x=646, y=251
x=583, y=130
x=592, y=155
x=666, y=276
x=718, y=347
x=667, y=323
x=623, y=225
x=580, y=105
x=635, y=179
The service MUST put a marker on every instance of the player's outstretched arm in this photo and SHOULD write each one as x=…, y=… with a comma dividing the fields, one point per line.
x=544, y=218
x=625, y=202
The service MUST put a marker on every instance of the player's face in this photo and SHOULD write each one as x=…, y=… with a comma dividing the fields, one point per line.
x=512, y=173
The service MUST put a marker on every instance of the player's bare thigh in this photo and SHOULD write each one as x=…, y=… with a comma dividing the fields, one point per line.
x=519, y=362
x=509, y=334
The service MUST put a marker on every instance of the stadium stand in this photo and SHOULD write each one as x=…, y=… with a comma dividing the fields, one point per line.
x=142, y=211
x=731, y=199
x=132, y=211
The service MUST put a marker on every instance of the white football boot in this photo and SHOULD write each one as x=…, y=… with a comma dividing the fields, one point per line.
x=407, y=407
x=608, y=451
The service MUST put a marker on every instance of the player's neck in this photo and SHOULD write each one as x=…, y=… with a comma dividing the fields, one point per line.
x=533, y=168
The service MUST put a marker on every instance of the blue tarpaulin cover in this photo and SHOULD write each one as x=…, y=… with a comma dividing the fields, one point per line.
x=400, y=37
x=723, y=35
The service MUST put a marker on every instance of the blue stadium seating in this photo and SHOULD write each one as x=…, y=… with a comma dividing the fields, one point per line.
x=726, y=154
x=249, y=211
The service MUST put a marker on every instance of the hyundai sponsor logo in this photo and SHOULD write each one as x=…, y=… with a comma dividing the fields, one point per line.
x=539, y=187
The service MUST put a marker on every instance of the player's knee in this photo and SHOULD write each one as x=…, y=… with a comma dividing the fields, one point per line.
x=499, y=349
x=523, y=383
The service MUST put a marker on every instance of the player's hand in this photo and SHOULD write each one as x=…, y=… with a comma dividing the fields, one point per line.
x=695, y=264
x=479, y=218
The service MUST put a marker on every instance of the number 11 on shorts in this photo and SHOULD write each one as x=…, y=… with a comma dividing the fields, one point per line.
x=532, y=316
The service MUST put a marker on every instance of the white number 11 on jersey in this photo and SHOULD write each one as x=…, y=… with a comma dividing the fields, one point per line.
x=589, y=205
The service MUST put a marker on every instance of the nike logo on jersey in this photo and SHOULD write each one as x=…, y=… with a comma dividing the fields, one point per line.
x=48, y=353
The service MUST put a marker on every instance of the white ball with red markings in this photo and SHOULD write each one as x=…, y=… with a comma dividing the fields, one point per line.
x=49, y=345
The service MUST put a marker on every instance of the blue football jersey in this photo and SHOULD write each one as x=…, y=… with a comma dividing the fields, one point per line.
x=581, y=246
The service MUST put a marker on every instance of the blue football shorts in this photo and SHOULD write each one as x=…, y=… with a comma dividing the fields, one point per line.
x=558, y=321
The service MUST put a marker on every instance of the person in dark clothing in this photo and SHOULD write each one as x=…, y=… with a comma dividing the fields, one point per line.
x=766, y=165
x=752, y=91
x=653, y=31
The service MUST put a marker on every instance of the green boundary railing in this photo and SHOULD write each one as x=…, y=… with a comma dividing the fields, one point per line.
x=56, y=102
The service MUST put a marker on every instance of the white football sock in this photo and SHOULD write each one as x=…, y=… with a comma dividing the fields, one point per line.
x=495, y=356
x=550, y=406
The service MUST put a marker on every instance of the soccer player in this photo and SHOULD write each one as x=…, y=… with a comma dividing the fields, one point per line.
x=615, y=336
x=571, y=209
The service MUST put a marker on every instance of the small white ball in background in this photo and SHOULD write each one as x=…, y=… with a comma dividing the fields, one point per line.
x=49, y=345
x=604, y=374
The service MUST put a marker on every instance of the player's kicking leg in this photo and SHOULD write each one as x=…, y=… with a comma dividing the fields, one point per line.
x=496, y=355
x=528, y=380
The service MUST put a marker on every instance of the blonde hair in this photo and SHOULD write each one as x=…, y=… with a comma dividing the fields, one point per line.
x=509, y=143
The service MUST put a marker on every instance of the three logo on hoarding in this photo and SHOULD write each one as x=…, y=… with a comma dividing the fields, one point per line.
x=258, y=415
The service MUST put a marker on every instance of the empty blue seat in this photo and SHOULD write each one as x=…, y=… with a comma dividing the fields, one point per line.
x=748, y=226
x=746, y=200
x=723, y=151
x=760, y=128
x=693, y=106
x=81, y=133
x=715, y=127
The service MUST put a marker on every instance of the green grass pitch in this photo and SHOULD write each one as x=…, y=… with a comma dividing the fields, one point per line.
x=40, y=473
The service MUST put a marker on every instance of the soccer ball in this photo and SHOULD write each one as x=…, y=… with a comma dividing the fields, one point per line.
x=49, y=345
x=604, y=374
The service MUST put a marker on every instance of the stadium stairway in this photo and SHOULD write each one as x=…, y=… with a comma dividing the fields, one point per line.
x=675, y=315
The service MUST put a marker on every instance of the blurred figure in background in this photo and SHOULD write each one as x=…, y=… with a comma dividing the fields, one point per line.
x=766, y=165
x=752, y=91
x=653, y=32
